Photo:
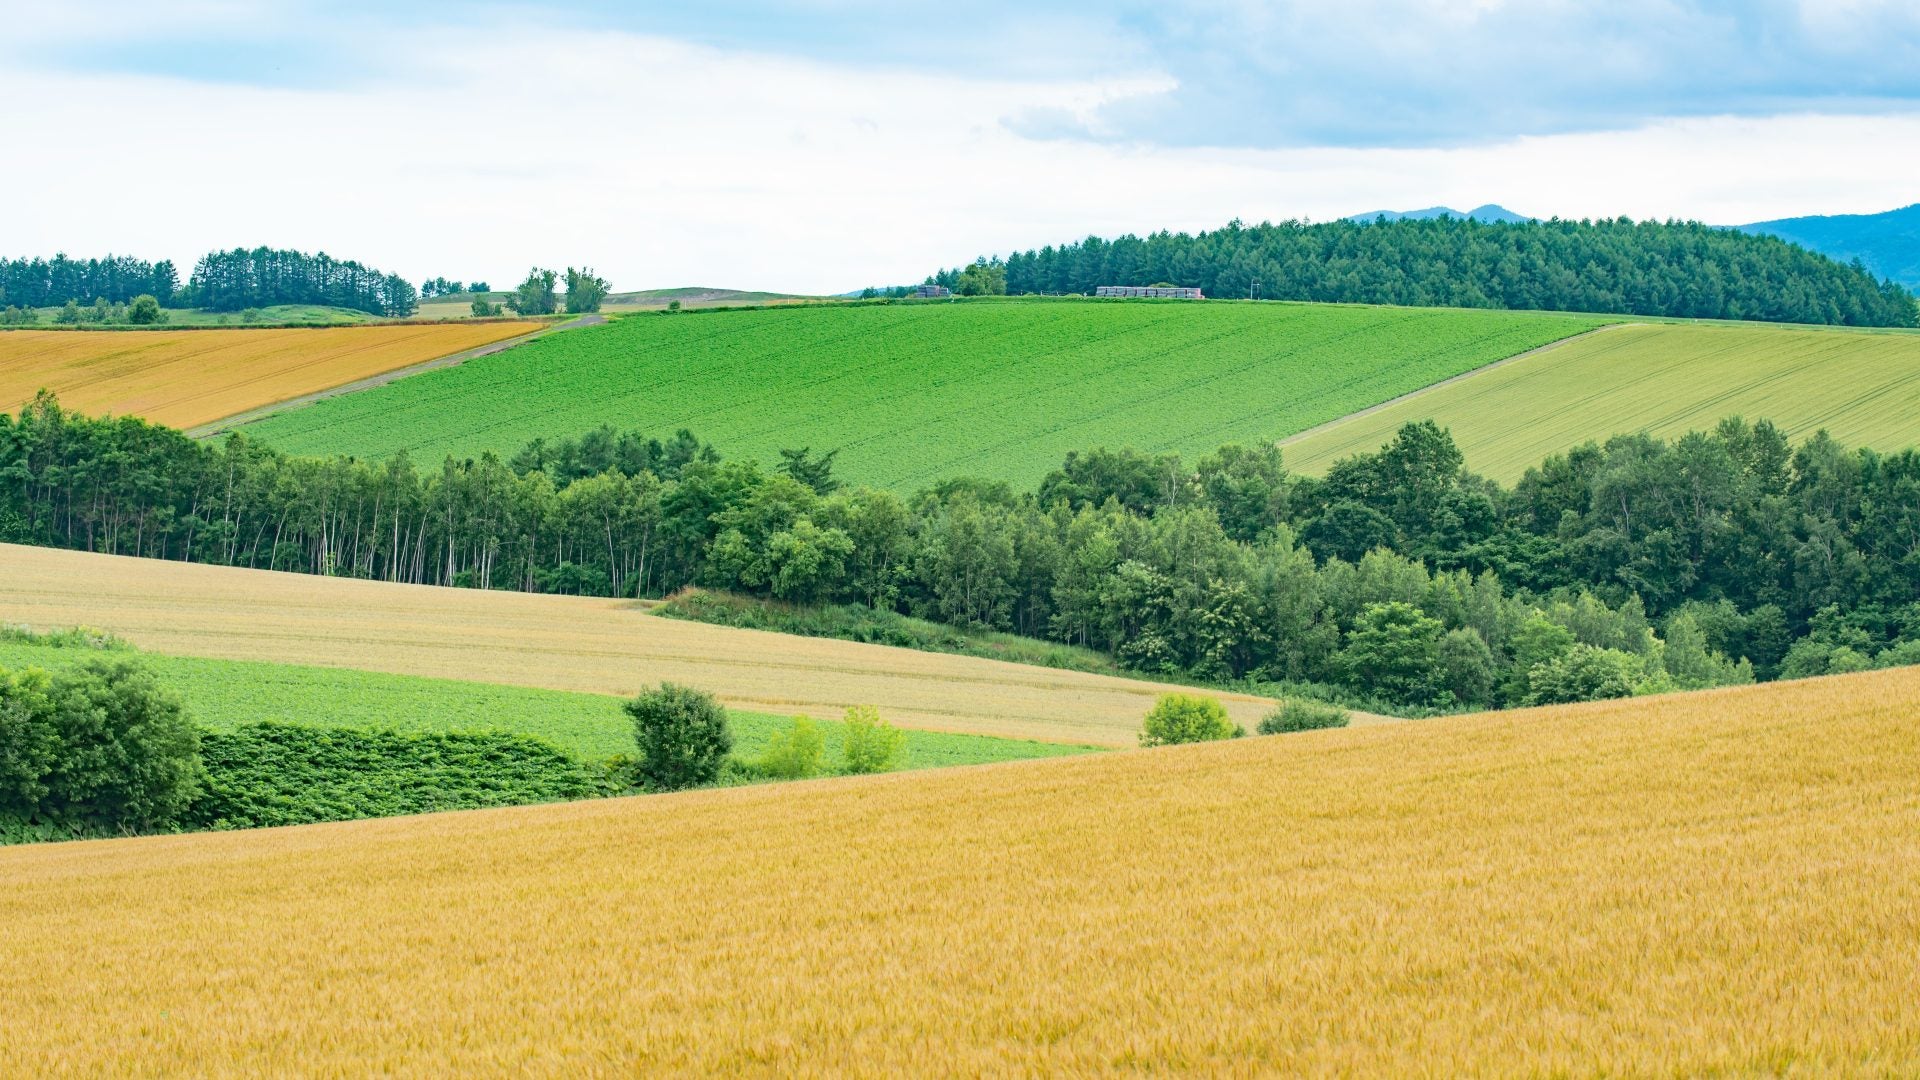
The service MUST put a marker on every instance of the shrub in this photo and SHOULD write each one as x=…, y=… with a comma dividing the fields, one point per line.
x=292, y=774
x=1186, y=718
x=101, y=746
x=682, y=734
x=145, y=311
x=1585, y=673
x=870, y=744
x=794, y=754
x=1299, y=714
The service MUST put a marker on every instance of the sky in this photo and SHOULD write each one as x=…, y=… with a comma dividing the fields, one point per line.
x=819, y=146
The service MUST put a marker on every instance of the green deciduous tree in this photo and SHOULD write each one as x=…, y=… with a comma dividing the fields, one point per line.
x=535, y=296
x=793, y=754
x=682, y=735
x=145, y=311
x=868, y=743
x=1186, y=718
x=585, y=290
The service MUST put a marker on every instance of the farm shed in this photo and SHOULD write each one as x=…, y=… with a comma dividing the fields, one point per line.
x=1157, y=291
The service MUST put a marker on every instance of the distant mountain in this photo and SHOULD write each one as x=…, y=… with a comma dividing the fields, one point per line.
x=1488, y=213
x=1887, y=244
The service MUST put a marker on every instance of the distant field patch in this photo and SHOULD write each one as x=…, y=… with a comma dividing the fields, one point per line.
x=914, y=393
x=188, y=377
x=1664, y=379
x=579, y=644
x=222, y=695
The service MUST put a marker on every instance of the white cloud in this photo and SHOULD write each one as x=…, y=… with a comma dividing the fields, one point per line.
x=662, y=163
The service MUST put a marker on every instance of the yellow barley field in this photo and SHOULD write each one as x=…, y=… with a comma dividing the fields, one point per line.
x=1666, y=379
x=1715, y=884
x=561, y=643
x=187, y=377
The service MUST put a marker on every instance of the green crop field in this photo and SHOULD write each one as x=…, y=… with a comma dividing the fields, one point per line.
x=223, y=694
x=914, y=393
x=1665, y=379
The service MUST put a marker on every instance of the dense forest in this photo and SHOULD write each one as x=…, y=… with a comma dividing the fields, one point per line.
x=239, y=279
x=1399, y=577
x=1681, y=269
x=117, y=279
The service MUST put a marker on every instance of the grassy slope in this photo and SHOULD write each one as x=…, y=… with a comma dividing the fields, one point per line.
x=1709, y=884
x=912, y=393
x=222, y=694
x=561, y=643
x=1668, y=378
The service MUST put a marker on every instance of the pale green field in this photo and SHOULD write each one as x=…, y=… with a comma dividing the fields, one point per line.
x=1665, y=379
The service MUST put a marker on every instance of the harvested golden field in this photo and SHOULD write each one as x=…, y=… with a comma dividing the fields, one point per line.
x=561, y=643
x=1666, y=379
x=186, y=377
x=1723, y=883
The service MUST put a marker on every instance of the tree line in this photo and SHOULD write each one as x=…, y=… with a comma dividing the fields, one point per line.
x=1680, y=269
x=116, y=279
x=240, y=279
x=1400, y=577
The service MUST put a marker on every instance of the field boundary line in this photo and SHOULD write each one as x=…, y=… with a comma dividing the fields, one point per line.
x=261, y=412
x=1320, y=429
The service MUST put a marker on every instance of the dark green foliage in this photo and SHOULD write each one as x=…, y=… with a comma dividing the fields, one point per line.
x=535, y=296
x=1299, y=714
x=1683, y=269
x=1376, y=580
x=1583, y=673
x=145, y=311
x=585, y=291
x=287, y=774
x=815, y=472
x=240, y=279
x=100, y=746
x=682, y=735
x=1186, y=718
x=37, y=283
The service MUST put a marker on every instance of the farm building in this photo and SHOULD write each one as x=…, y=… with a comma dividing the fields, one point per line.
x=932, y=292
x=1161, y=291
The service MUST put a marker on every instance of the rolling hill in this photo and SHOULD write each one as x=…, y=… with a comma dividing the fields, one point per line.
x=1888, y=244
x=578, y=644
x=1710, y=884
x=188, y=377
x=915, y=393
x=1666, y=379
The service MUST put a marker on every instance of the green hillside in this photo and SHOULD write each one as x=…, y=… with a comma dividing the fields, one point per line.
x=224, y=694
x=913, y=393
x=1861, y=386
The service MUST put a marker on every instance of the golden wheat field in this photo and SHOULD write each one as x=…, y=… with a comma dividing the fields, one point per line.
x=561, y=643
x=1666, y=379
x=186, y=377
x=1724, y=883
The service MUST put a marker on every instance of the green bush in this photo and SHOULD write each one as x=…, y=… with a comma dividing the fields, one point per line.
x=793, y=754
x=1301, y=715
x=1584, y=673
x=1186, y=718
x=291, y=774
x=869, y=743
x=682, y=734
x=100, y=746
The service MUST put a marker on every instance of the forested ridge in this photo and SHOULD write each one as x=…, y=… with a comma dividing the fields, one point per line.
x=1640, y=564
x=239, y=279
x=117, y=279
x=221, y=281
x=1679, y=269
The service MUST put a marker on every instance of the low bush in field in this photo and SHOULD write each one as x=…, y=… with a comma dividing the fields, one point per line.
x=100, y=747
x=682, y=736
x=1187, y=718
x=1302, y=715
x=869, y=743
x=793, y=754
x=289, y=774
